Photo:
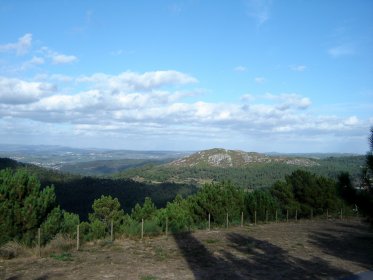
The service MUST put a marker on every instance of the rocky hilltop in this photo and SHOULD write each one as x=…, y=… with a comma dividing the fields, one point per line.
x=231, y=158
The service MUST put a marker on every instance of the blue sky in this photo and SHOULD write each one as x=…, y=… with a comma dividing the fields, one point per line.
x=255, y=75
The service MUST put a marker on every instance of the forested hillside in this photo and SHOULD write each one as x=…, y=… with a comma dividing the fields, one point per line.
x=106, y=167
x=163, y=182
x=260, y=172
x=55, y=200
x=76, y=193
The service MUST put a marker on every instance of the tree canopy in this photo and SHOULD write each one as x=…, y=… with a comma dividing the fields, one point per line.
x=24, y=206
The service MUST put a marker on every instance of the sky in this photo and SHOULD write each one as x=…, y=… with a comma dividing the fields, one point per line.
x=252, y=75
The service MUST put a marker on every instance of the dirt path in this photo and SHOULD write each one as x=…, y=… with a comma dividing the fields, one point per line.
x=303, y=250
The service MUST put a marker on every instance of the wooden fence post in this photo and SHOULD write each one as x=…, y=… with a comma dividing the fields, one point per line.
x=276, y=215
x=311, y=214
x=341, y=215
x=77, y=237
x=266, y=216
x=241, y=219
x=209, y=222
x=287, y=215
x=166, y=227
x=327, y=214
x=142, y=228
x=39, y=242
x=227, y=220
x=111, y=231
x=255, y=217
x=296, y=215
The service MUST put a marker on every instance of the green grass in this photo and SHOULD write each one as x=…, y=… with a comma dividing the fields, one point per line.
x=148, y=277
x=212, y=241
x=65, y=256
x=160, y=253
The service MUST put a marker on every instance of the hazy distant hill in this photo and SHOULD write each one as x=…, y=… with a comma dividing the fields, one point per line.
x=85, y=161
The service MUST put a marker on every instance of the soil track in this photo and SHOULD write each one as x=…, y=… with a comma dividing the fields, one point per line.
x=316, y=249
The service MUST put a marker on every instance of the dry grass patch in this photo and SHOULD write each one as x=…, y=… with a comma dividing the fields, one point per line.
x=58, y=245
x=13, y=249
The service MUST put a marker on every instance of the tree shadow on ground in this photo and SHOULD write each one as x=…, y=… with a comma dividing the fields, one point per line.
x=349, y=242
x=250, y=258
x=42, y=277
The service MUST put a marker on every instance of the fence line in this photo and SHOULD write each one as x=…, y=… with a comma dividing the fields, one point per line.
x=339, y=215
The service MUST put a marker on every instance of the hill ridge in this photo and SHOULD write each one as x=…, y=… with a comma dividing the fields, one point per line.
x=219, y=157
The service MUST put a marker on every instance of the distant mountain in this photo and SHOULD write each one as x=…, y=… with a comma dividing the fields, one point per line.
x=231, y=158
x=312, y=155
x=85, y=161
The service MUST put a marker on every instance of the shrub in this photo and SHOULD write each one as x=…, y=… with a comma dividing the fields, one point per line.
x=146, y=211
x=52, y=225
x=70, y=221
x=98, y=229
x=260, y=201
x=218, y=200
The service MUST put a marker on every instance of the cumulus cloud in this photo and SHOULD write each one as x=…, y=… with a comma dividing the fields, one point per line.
x=132, y=81
x=291, y=100
x=63, y=58
x=16, y=91
x=34, y=61
x=58, y=58
x=85, y=101
x=150, y=106
x=21, y=47
x=351, y=121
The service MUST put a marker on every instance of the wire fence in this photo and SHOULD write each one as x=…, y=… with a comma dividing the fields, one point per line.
x=145, y=228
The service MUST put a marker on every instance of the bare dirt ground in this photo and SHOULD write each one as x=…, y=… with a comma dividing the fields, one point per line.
x=316, y=249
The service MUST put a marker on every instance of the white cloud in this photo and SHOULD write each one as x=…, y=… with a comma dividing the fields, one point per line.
x=259, y=80
x=16, y=91
x=259, y=10
x=351, y=121
x=34, y=61
x=240, y=68
x=58, y=58
x=82, y=101
x=21, y=47
x=342, y=50
x=132, y=81
x=63, y=58
x=149, y=107
x=289, y=100
x=298, y=68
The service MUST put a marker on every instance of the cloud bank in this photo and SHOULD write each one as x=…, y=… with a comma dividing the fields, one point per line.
x=154, y=104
